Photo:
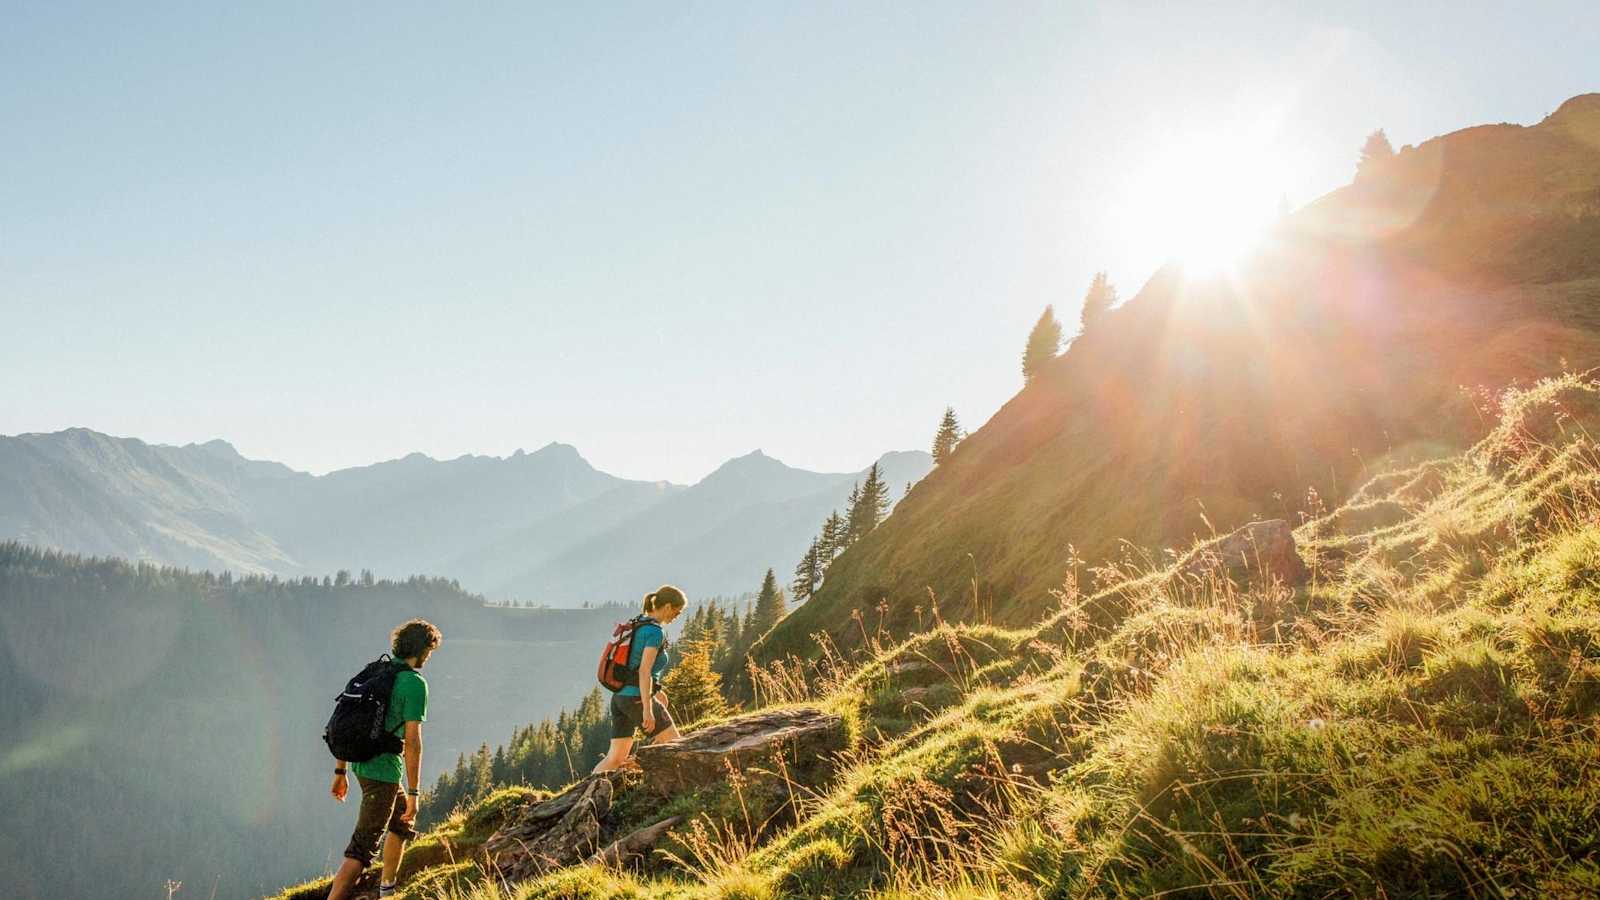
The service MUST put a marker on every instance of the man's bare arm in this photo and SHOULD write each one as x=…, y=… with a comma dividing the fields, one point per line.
x=413, y=757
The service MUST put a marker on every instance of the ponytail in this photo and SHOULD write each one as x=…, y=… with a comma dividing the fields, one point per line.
x=664, y=596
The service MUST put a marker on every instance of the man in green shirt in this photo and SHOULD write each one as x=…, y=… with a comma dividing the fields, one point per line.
x=382, y=807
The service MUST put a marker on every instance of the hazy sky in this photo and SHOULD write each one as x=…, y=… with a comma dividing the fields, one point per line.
x=666, y=233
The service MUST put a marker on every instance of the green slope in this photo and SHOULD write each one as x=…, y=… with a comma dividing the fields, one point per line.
x=1417, y=720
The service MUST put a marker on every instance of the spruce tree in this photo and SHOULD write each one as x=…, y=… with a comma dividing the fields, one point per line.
x=1375, y=151
x=1098, y=301
x=831, y=541
x=848, y=535
x=693, y=688
x=1044, y=342
x=945, y=440
x=808, y=574
x=769, y=605
x=871, y=505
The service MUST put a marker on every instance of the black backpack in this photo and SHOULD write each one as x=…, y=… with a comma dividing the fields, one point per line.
x=355, y=731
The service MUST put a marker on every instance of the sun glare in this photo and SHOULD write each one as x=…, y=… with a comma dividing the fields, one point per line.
x=1206, y=201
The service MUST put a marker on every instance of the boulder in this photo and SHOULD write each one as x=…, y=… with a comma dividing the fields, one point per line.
x=1260, y=549
x=560, y=831
x=751, y=745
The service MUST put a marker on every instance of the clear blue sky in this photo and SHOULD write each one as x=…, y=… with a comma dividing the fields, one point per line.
x=666, y=233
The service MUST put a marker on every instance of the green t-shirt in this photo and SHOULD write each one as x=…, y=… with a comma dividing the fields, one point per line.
x=408, y=703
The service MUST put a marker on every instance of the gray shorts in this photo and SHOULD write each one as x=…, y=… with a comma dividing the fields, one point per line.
x=627, y=716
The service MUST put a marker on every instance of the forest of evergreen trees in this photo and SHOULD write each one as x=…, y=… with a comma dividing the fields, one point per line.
x=189, y=706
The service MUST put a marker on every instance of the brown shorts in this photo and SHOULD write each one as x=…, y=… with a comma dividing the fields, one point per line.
x=382, y=804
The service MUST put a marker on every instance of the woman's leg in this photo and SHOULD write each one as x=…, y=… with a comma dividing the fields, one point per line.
x=669, y=730
x=615, y=756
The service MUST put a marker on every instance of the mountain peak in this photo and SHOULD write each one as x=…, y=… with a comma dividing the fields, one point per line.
x=218, y=447
x=1581, y=106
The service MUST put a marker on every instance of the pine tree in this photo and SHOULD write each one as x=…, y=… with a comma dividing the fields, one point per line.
x=1374, y=153
x=1098, y=301
x=696, y=627
x=944, y=442
x=769, y=605
x=848, y=535
x=1044, y=341
x=808, y=574
x=482, y=773
x=831, y=541
x=872, y=504
x=693, y=687
x=735, y=633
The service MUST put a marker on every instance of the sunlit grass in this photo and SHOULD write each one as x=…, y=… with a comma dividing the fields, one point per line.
x=1417, y=720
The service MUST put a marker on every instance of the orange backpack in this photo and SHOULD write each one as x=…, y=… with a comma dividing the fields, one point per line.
x=615, y=673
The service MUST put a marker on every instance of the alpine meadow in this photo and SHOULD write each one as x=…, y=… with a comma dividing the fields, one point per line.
x=1180, y=469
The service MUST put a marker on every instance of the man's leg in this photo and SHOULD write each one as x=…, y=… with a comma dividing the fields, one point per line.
x=398, y=832
x=377, y=805
x=393, y=846
x=345, y=879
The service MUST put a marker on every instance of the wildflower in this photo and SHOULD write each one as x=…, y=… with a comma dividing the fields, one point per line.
x=1316, y=724
x=1295, y=821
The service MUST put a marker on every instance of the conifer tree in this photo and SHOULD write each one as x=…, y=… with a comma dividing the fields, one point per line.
x=769, y=606
x=1044, y=342
x=1375, y=151
x=832, y=539
x=694, y=688
x=808, y=574
x=848, y=535
x=696, y=627
x=872, y=504
x=945, y=440
x=1098, y=301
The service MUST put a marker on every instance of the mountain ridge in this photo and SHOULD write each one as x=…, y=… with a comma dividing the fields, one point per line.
x=1202, y=402
x=487, y=519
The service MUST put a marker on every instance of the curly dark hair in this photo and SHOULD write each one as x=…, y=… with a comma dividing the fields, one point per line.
x=413, y=638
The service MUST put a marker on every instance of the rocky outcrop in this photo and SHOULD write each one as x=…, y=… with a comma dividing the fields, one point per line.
x=753, y=745
x=558, y=832
x=628, y=849
x=1260, y=549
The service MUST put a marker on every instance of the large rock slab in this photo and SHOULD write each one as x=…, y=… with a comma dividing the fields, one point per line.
x=560, y=831
x=752, y=745
x=1258, y=551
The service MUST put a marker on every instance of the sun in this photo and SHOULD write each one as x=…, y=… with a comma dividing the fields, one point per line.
x=1206, y=200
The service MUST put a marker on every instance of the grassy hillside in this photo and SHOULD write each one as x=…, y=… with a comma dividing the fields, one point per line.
x=1418, y=719
x=1343, y=347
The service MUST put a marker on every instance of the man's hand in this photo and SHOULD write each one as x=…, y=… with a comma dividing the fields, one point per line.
x=662, y=696
x=410, y=815
x=649, y=720
x=341, y=788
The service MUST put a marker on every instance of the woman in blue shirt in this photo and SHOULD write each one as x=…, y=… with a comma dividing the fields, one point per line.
x=648, y=657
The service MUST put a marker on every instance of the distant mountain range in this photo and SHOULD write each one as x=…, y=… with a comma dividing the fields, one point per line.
x=543, y=527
